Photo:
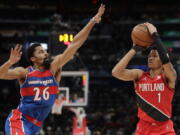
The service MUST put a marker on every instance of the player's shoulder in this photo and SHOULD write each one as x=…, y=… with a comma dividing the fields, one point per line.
x=18, y=68
x=19, y=72
x=22, y=70
x=139, y=73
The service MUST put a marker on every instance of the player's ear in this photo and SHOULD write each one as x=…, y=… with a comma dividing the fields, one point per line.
x=32, y=59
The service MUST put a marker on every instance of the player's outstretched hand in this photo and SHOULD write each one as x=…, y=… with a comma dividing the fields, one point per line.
x=97, y=17
x=15, y=55
x=152, y=29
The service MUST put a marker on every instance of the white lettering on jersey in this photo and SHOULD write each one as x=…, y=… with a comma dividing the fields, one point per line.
x=151, y=87
x=44, y=82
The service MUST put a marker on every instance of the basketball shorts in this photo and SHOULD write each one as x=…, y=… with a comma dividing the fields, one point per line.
x=156, y=128
x=18, y=124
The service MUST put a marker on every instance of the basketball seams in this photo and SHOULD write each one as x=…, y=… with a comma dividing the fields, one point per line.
x=141, y=29
x=147, y=31
x=140, y=35
x=133, y=35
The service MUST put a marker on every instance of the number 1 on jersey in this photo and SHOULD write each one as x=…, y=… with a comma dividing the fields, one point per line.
x=159, y=97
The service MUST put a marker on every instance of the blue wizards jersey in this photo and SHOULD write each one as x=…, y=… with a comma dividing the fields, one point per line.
x=38, y=94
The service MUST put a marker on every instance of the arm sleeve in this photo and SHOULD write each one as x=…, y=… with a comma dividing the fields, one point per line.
x=163, y=54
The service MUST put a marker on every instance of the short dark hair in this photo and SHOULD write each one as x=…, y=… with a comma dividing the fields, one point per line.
x=153, y=47
x=148, y=50
x=30, y=51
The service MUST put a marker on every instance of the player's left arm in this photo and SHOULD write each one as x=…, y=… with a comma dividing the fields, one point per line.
x=169, y=70
x=58, y=75
x=79, y=39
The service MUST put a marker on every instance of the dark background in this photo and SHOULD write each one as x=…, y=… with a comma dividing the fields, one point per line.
x=111, y=109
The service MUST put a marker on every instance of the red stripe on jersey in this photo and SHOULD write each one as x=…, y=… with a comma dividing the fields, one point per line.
x=16, y=125
x=40, y=74
x=31, y=91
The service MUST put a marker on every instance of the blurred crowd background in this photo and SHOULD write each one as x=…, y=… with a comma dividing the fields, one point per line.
x=111, y=108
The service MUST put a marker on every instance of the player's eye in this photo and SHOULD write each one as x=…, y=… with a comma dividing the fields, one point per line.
x=41, y=51
x=149, y=56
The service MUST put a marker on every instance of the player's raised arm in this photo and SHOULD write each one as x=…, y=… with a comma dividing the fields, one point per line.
x=78, y=41
x=169, y=71
x=16, y=73
x=120, y=70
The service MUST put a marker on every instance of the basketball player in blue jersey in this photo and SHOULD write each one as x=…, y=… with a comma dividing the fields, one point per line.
x=38, y=83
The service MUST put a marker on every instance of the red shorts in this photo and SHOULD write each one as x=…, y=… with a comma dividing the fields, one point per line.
x=18, y=124
x=156, y=128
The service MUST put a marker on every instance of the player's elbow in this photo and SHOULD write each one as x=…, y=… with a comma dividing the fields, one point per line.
x=115, y=73
x=119, y=74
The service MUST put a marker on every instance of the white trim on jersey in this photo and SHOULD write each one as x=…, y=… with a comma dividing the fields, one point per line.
x=22, y=122
x=10, y=123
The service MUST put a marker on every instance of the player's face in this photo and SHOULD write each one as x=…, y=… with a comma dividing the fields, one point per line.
x=40, y=54
x=154, y=61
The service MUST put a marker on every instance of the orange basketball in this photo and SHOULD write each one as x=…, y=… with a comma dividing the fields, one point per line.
x=140, y=36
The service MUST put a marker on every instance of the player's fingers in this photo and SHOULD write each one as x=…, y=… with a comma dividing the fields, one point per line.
x=146, y=23
x=19, y=49
x=16, y=47
x=20, y=54
x=11, y=52
x=149, y=24
x=102, y=5
x=15, y=50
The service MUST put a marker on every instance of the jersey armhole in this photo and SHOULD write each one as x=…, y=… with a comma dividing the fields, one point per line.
x=166, y=83
x=139, y=78
x=54, y=77
x=30, y=69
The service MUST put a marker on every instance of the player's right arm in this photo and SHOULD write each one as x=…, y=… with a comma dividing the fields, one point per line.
x=121, y=72
x=16, y=73
x=60, y=60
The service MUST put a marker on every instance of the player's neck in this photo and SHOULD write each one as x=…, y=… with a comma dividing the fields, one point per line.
x=155, y=72
x=38, y=67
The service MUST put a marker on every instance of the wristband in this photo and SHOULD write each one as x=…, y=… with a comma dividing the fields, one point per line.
x=93, y=20
x=138, y=48
x=163, y=54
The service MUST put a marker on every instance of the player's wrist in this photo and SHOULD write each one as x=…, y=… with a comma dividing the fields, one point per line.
x=10, y=62
x=155, y=34
x=93, y=20
x=137, y=48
